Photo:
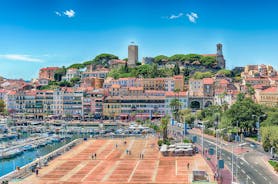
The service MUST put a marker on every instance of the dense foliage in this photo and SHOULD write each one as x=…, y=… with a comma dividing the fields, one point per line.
x=101, y=59
x=141, y=71
x=201, y=75
x=269, y=137
x=2, y=106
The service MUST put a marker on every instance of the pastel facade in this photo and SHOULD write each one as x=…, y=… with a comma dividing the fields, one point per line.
x=48, y=73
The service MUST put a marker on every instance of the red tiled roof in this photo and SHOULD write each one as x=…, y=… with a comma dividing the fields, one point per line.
x=208, y=81
x=178, y=77
x=223, y=81
x=171, y=93
x=273, y=78
x=271, y=90
x=115, y=86
x=136, y=88
x=50, y=68
x=258, y=86
x=256, y=79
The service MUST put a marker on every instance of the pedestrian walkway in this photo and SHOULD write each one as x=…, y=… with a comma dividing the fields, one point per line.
x=113, y=165
x=225, y=145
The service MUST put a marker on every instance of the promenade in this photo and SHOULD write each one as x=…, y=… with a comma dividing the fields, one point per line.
x=113, y=165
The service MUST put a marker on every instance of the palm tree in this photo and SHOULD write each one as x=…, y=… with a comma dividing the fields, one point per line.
x=175, y=105
x=164, y=127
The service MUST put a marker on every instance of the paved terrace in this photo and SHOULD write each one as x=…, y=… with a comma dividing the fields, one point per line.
x=113, y=165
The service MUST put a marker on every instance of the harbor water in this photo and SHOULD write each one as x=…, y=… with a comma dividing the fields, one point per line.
x=9, y=165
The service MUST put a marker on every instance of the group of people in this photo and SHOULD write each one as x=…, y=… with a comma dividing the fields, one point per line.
x=141, y=156
x=128, y=152
x=94, y=156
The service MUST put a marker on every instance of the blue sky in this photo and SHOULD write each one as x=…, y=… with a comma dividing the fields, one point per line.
x=39, y=33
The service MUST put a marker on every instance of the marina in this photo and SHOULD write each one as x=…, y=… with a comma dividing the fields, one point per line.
x=24, y=143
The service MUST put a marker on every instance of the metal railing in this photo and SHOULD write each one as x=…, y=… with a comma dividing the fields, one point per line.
x=27, y=170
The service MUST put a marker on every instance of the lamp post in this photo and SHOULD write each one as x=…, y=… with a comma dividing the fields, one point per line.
x=258, y=125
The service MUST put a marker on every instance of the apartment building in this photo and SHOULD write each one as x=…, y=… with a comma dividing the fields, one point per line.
x=269, y=97
x=48, y=73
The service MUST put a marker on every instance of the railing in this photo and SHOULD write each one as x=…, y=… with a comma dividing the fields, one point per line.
x=29, y=168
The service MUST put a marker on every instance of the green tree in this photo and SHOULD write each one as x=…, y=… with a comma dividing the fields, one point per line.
x=2, y=106
x=250, y=90
x=272, y=116
x=269, y=137
x=243, y=111
x=209, y=61
x=77, y=66
x=175, y=105
x=227, y=73
x=187, y=116
x=126, y=67
x=201, y=75
x=103, y=59
x=75, y=80
x=60, y=73
x=176, y=69
x=154, y=71
x=160, y=59
x=65, y=84
x=164, y=127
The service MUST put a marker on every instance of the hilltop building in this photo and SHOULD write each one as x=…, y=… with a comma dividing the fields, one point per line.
x=221, y=63
x=132, y=55
x=48, y=73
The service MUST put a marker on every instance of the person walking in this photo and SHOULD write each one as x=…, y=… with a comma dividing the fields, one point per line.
x=95, y=156
x=37, y=172
x=188, y=165
x=142, y=155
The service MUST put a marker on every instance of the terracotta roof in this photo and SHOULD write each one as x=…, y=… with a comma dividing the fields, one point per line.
x=273, y=78
x=11, y=93
x=172, y=94
x=258, y=86
x=50, y=68
x=271, y=90
x=136, y=88
x=178, y=77
x=223, y=81
x=255, y=79
x=208, y=80
x=115, y=86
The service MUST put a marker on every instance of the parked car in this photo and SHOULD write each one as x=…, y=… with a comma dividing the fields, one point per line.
x=253, y=145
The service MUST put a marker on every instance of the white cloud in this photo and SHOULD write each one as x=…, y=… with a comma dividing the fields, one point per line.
x=176, y=16
x=69, y=13
x=192, y=17
x=19, y=57
x=58, y=14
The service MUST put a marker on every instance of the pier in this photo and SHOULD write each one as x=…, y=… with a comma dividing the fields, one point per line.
x=42, y=161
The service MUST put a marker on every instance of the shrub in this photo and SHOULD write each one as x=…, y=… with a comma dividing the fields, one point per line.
x=187, y=141
x=160, y=142
x=274, y=164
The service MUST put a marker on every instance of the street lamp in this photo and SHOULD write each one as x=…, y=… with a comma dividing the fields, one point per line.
x=258, y=125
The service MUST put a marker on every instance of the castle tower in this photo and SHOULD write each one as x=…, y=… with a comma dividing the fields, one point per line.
x=132, y=55
x=221, y=63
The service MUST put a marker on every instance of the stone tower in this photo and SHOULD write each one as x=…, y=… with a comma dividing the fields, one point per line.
x=221, y=63
x=132, y=55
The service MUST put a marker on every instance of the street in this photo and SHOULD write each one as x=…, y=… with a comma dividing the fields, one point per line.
x=250, y=167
